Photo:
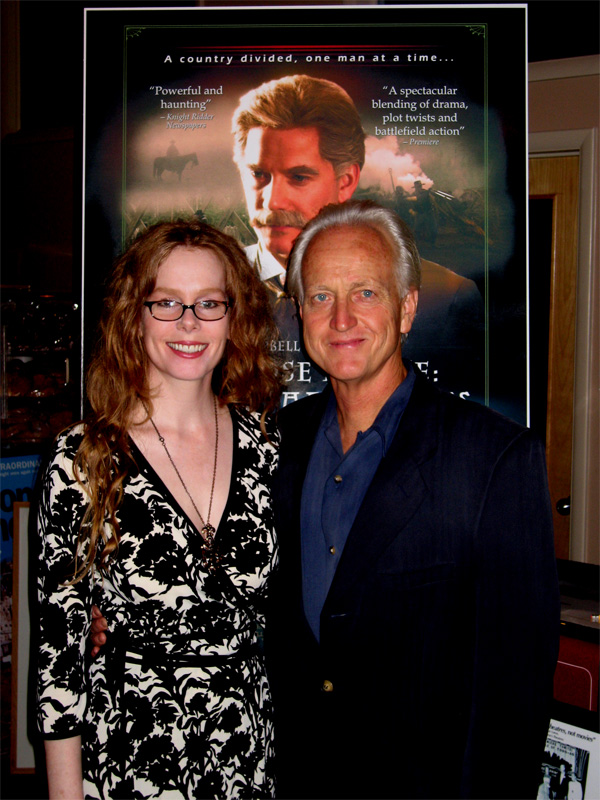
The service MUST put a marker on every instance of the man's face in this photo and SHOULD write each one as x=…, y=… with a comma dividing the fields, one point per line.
x=352, y=313
x=286, y=183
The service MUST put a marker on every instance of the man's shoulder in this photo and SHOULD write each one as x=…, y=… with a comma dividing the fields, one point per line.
x=251, y=252
x=300, y=411
x=438, y=279
x=305, y=406
x=459, y=418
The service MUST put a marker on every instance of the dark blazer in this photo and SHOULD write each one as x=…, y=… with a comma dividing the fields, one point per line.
x=439, y=635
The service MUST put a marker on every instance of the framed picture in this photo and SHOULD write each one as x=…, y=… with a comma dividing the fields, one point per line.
x=21, y=751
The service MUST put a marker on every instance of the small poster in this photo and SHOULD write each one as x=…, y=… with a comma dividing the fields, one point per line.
x=17, y=479
x=571, y=765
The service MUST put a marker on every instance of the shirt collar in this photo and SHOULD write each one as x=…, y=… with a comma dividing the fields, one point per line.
x=386, y=422
x=267, y=264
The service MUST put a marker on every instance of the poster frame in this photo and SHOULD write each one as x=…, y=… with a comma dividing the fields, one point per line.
x=22, y=757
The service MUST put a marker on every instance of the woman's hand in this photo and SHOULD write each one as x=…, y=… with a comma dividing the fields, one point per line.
x=97, y=635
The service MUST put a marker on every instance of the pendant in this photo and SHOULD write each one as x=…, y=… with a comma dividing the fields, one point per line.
x=208, y=532
x=211, y=558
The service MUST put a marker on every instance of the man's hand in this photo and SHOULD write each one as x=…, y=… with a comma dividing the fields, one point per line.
x=97, y=635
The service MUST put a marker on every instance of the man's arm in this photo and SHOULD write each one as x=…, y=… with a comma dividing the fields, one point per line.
x=516, y=626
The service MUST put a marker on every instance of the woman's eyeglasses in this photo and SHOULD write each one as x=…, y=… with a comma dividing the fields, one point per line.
x=172, y=310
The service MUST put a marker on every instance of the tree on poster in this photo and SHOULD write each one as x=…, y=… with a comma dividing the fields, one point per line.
x=443, y=125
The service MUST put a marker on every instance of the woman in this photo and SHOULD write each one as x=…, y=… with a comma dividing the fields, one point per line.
x=158, y=509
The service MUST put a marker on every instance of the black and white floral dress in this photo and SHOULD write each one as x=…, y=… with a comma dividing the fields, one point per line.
x=177, y=705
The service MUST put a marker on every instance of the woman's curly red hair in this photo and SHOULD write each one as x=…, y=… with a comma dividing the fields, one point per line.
x=249, y=375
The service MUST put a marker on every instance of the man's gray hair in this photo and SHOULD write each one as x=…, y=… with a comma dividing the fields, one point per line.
x=360, y=214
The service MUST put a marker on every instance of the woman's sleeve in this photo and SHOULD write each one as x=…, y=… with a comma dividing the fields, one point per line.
x=65, y=609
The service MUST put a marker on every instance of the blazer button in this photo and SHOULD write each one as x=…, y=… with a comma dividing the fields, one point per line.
x=327, y=686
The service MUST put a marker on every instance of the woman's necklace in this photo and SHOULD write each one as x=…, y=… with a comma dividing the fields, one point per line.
x=209, y=551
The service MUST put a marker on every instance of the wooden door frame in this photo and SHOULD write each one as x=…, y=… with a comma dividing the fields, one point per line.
x=582, y=143
x=555, y=180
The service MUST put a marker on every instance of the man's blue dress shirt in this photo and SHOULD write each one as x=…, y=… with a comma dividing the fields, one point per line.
x=334, y=488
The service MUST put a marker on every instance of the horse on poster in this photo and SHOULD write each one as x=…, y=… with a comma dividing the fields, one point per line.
x=173, y=164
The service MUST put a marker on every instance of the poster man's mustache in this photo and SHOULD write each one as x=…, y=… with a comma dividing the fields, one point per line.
x=292, y=219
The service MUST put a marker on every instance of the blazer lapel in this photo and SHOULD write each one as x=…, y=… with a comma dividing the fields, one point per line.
x=399, y=482
x=298, y=429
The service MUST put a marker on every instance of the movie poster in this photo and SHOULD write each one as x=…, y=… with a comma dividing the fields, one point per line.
x=442, y=107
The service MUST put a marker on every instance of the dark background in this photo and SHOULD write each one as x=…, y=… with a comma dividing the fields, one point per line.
x=52, y=48
x=41, y=164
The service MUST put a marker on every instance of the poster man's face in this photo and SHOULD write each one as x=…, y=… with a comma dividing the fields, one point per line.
x=287, y=182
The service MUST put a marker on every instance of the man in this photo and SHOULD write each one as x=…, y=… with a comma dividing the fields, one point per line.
x=299, y=145
x=414, y=628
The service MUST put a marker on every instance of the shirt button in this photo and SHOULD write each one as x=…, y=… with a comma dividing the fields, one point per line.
x=338, y=479
x=327, y=686
x=332, y=550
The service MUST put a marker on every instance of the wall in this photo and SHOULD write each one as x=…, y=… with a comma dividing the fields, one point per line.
x=564, y=95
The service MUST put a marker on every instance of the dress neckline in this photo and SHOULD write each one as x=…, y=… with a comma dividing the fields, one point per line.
x=145, y=466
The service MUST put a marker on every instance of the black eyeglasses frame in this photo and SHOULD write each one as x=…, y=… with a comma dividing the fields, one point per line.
x=184, y=308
